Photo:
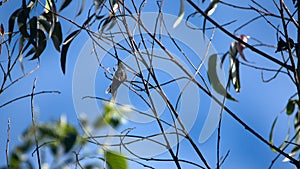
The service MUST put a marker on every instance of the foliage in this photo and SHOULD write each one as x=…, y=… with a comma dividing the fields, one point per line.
x=64, y=142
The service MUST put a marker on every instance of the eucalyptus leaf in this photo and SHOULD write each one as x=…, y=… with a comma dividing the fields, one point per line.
x=81, y=7
x=211, y=7
x=15, y=160
x=33, y=31
x=21, y=44
x=1, y=30
x=11, y=23
x=272, y=131
x=235, y=73
x=65, y=48
x=214, y=80
x=41, y=44
x=115, y=160
x=64, y=4
x=180, y=15
x=290, y=107
x=69, y=137
x=297, y=127
x=57, y=36
x=23, y=15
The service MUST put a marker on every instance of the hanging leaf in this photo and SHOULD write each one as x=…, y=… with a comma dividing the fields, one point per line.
x=272, y=131
x=44, y=24
x=41, y=44
x=213, y=78
x=235, y=73
x=114, y=4
x=1, y=30
x=297, y=127
x=33, y=31
x=223, y=59
x=240, y=47
x=98, y=3
x=64, y=5
x=32, y=3
x=65, y=48
x=115, y=160
x=1, y=34
x=212, y=7
x=11, y=23
x=57, y=36
x=81, y=7
x=15, y=160
x=290, y=107
x=50, y=14
x=282, y=45
x=23, y=15
x=296, y=148
x=68, y=138
x=180, y=15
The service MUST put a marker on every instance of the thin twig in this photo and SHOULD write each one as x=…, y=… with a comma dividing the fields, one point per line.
x=7, y=144
x=34, y=125
x=28, y=95
x=289, y=67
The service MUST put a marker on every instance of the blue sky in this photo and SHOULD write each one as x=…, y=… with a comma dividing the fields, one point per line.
x=259, y=103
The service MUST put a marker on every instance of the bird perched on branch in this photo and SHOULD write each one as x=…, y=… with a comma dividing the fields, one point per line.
x=118, y=78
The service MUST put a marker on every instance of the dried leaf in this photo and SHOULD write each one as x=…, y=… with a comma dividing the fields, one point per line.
x=240, y=47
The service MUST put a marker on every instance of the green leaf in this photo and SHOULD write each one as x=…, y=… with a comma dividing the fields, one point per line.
x=64, y=4
x=53, y=19
x=57, y=36
x=115, y=160
x=290, y=107
x=47, y=131
x=54, y=147
x=81, y=7
x=23, y=15
x=65, y=48
x=212, y=7
x=272, y=131
x=33, y=31
x=25, y=146
x=1, y=30
x=15, y=160
x=213, y=78
x=235, y=73
x=11, y=23
x=44, y=24
x=180, y=15
x=99, y=122
x=69, y=137
x=297, y=127
x=32, y=3
x=41, y=44
x=21, y=44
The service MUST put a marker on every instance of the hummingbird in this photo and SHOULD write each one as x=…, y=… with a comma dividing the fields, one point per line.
x=118, y=78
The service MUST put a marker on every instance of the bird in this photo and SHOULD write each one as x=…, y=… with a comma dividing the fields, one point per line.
x=118, y=78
